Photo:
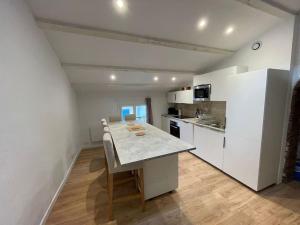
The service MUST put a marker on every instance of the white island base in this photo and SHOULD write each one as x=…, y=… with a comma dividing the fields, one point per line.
x=160, y=175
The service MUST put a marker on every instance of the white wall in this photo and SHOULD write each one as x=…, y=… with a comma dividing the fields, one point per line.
x=275, y=51
x=96, y=105
x=39, y=129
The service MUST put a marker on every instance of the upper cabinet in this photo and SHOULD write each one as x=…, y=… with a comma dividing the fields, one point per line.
x=217, y=80
x=185, y=96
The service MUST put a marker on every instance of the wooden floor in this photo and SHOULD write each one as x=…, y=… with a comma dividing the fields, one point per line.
x=205, y=196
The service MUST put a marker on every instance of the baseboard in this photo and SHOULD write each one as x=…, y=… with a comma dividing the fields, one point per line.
x=60, y=188
x=92, y=145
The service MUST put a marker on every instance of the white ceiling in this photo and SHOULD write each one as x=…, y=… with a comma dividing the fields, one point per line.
x=167, y=19
x=290, y=5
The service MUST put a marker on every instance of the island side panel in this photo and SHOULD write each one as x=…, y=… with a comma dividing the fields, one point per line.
x=160, y=175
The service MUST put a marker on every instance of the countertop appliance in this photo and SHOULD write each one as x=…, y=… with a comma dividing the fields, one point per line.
x=172, y=111
x=202, y=92
x=174, y=129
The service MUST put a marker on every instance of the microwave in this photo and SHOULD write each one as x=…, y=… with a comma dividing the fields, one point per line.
x=202, y=92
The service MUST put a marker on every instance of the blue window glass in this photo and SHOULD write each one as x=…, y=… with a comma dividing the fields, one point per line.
x=126, y=110
x=141, y=113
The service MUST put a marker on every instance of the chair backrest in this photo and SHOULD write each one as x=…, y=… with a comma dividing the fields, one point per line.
x=106, y=130
x=114, y=118
x=104, y=124
x=103, y=120
x=109, y=151
x=130, y=117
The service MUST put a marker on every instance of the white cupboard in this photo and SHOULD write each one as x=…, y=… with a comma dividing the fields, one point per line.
x=255, y=115
x=209, y=145
x=185, y=96
x=186, y=132
x=165, y=124
x=217, y=80
x=172, y=97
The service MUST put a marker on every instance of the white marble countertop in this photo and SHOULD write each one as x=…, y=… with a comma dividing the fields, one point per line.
x=194, y=121
x=155, y=143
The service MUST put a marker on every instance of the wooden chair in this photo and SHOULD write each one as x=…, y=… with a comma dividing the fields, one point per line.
x=113, y=167
x=130, y=117
x=114, y=118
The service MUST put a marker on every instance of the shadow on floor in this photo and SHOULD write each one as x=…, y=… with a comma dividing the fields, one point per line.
x=160, y=210
x=285, y=195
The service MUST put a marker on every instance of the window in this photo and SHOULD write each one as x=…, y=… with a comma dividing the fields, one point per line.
x=140, y=112
x=126, y=110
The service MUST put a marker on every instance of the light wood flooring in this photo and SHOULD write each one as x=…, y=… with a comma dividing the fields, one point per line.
x=205, y=196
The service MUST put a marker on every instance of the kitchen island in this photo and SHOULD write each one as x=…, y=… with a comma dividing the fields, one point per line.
x=157, y=150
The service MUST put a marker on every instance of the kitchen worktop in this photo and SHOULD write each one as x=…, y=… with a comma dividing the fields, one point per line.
x=154, y=144
x=194, y=121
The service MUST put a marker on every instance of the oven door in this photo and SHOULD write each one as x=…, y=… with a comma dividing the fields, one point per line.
x=202, y=92
x=174, y=129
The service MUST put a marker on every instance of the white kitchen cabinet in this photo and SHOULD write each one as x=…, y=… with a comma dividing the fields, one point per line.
x=186, y=132
x=165, y=124
x=172, y=97
x=209, y=144
x=255, y=115
x=185, y=96
x=217, y=80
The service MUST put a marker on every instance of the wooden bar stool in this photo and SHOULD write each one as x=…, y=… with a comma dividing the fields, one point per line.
x=113, y=167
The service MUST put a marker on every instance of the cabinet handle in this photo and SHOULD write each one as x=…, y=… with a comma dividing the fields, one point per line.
x=225, y=122
x=224, y=142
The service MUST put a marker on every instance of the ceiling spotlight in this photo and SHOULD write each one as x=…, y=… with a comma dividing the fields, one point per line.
x=120, y=5
x=173, y=78
x=229, y=30
x=202, y=23
x=112, y=77
x=155, y=78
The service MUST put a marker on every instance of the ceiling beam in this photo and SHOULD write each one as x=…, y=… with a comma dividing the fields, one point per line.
x=125, y=68
x=121, y=36
x=268, y=6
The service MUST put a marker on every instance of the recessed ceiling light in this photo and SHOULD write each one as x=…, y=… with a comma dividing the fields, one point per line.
x=202, y=23
x=112, y=77
x=120, y=5
x=173, y=78
x=155, y=78
x=229, y=30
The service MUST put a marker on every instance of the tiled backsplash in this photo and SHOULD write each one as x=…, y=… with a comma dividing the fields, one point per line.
x=216, y=109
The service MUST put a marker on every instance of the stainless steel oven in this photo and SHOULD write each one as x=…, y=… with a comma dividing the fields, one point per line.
x=202, y=92
x=174, y=129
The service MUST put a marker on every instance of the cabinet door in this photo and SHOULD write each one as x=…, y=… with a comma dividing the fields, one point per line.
x=244, y=113
x=187, y=97
x=165, y=124
x=209, y=144
x=187, y=132
x=172, y=97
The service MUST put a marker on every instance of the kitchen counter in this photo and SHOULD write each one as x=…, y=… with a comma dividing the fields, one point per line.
x=194, y=121
x=155, y=143
x=157, y=151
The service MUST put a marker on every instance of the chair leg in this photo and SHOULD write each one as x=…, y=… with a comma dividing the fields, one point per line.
x=110, y=194
x=142, y=188
x=106, y=170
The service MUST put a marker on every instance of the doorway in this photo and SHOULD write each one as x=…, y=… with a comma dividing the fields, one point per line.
x=293, y=136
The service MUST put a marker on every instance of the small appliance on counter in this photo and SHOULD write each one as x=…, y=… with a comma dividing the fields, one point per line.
x=172, y=111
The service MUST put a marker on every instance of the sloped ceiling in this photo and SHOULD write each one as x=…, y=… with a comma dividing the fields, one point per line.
x=173, y=20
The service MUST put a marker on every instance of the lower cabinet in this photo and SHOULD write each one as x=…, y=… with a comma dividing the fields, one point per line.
x=209, y=144
x=165, y=124
x=186, y=132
